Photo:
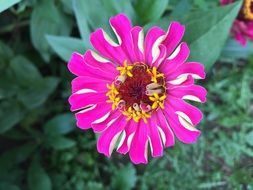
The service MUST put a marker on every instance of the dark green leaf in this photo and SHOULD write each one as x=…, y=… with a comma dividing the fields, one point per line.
x=65, y=46
x=51, y=21
x=10, y=114
x=21, y=67
x=5, y=4
x=38, y=178
x=60, y=143
x=249, y=138
x=16, y=155
x=35, y=95
x=60, y=124
x=124, y=178
x=8, y=186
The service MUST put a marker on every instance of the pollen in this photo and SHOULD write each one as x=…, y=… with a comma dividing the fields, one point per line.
x=138, y=91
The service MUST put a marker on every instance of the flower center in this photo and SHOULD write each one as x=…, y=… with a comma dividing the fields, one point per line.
x=247, y=10
x=137, y=91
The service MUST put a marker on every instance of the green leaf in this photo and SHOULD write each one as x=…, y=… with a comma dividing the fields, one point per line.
x=20, y=66
x=60, y=143
x=5, y=4
x=150, y=10
x=37, y=177
x=60, y=124
x=79, y=7
x=65, y=46
x=6, y=54
x=245, y=96
x=207, y=32
x=124, y=178
x=35, y=95
x=249, y=138
x=51, y=21
x=10, y=114
x=182, y=6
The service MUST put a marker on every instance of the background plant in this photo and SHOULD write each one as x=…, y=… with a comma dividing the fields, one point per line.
x=41, y=148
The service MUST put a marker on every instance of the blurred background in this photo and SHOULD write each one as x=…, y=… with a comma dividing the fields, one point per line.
x=42, y=149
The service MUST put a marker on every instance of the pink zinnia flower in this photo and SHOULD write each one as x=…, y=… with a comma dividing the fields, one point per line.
x=242, y=28
x=132, y=92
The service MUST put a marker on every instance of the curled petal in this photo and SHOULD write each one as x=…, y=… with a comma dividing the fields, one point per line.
x=153, y=39
x=86, y=117
x=138, y=43
x=196, y=70
x=191, y=113
x=84, y=82
x=185, y=133
x=78, y=67
x=173, y=36
x=179, y=56
x=139, y=146
x=122, y=26
x=154, y=138
x=82, y=100
x=130, y=129
x=100, y=126
x=106, y=47
x=193, y=92
x=110, y=135
x=164, y=129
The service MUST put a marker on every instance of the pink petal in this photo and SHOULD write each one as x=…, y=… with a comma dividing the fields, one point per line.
x=161, y=57
x=78, y=67
x=179, y=105
x=122, y=27
x=153, y=39
x=239, y=37
x=80, y=101
x=84, y=82
x=99, y=63
x=129, y=132
x=188, y=82
x=101, y=126
x=188, y=92
x=139, y=147
x=197, y=70
x=155, y=139
x=138, y=43
x=89, y=115
x=173, y=36
x=179, y=56
x=183, y=133
x=165, y=129
x=106, y=47
x=109, y=137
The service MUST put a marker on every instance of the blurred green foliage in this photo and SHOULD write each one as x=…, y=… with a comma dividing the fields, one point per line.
x=40, y=146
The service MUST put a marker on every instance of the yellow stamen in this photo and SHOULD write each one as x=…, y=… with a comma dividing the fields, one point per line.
x=155, y=74
x=248, y=14
x=126, y=69
x=112, y=95
x=136, y=115
x=158, y=101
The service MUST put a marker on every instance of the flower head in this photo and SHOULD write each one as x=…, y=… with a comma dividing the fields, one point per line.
x=132, y=92
x=242, y=28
